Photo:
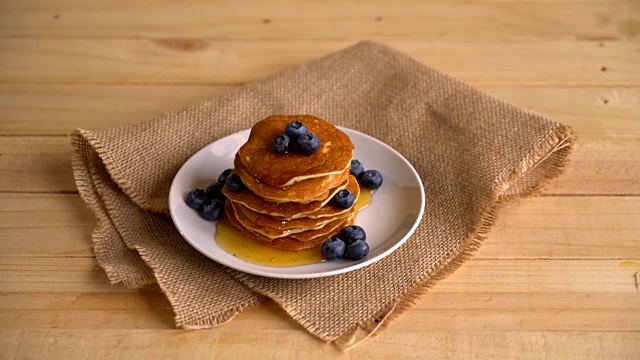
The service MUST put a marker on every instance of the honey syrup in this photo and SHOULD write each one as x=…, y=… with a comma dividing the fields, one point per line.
x=234, y=242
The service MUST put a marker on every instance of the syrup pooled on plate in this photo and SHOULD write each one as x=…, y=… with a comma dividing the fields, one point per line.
x=234, y=242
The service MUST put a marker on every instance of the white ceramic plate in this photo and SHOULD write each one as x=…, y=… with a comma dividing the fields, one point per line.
x=392, y=216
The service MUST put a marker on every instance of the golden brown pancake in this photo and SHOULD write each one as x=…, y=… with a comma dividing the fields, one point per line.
x=302, y=233
x=281, y=170
x=282, y=224
x=285, y=243
x=288, y=210
x=323, y=215
x=304, y=191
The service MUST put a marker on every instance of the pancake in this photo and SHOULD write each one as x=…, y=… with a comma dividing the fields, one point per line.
x=298, y=234
x=316, y=218
x=287, y=210
x=304, y=191
x=278, y=223
x=281, y=170
x=282, y=224
x=302, y=233
x=284, y=243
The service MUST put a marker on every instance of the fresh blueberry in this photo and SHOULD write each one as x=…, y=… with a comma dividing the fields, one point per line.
x=344, y=199
x=213, y=210
x=280, y=144
x=356, y=168
x=333, y=249
x=357, y=250
x=308, y=144
x=215, y=192
x=371, y=179
x=196, y=198
x=234, y=183
x=295, y=129
x=223, y=176
x=352, y=233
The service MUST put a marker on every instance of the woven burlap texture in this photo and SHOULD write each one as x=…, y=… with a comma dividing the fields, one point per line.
x=472, y=151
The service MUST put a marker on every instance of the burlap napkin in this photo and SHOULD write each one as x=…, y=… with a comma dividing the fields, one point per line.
x=472, y=152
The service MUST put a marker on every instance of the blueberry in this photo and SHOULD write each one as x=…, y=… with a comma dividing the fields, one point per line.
x=352, y=233
x=357, y=250
x=333, y=249
x=215, y=192
x=371, y=179
x=295, y=129
x=196, y=198
x=223, y=176
x=280, y=144
x=234, y=183
x=356, y=168
x=308, y=144
x=213, y=210
x=344, y=199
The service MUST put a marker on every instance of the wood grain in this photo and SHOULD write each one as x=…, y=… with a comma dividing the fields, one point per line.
x=484, y=295
x=56, y=109
x=600, y=165
x=50, y=225
x=515, y=275
x=103, y=344
x=45, y=225
x=253, y=19
x=36, y=164
x=214, y=61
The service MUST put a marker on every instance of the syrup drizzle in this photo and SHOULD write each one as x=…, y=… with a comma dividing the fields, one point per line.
x=234, y=242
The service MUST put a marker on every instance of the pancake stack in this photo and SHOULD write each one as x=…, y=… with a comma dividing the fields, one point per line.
x=287, y=199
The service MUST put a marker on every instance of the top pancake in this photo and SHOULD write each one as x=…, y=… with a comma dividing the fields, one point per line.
x=281, y=170
x=304, y=192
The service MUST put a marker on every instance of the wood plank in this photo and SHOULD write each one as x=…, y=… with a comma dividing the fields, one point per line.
x=33, y=274
x=220, y=344
x=28, y=274
x=436, y=310
x=600, y=165
x=584, y=108
x=544, y=227
x=310, y=20
x=267, y=318
x=487, y=295
x=212, y=61
x=566, y=227
x=115, y=299
x=45, y=225
x=56, y=275
x=153, y=303
x=56, y=109
x=36, y=164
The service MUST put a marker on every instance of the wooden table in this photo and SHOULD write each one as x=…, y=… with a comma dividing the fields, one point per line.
x=557, y=277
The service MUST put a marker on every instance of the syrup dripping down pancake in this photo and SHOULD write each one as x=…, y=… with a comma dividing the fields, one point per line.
x=285, y=243
x=290, y=210
x=303, y=233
